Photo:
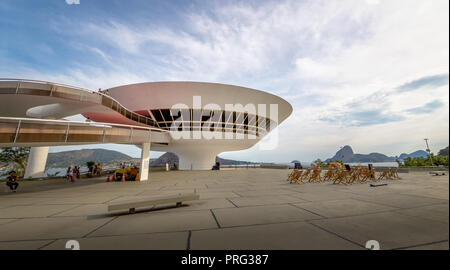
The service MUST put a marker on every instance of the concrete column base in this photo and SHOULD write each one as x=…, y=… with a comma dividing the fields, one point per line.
x=196, y=160
x=36, y=162
x=145, y=160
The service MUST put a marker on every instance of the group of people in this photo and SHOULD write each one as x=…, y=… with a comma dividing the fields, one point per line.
x=127, y=173
x=95, y=169
x=73, y=173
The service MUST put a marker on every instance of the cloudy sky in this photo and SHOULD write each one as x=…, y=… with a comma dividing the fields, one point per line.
x=372, y=74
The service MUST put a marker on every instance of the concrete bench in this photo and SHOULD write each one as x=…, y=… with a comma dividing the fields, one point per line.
x=131, y=205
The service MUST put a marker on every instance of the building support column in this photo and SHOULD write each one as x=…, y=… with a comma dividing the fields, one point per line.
x=196, y=159
x=36, y=162
x=145, y=160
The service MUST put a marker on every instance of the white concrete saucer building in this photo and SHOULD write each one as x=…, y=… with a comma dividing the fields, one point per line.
x=195, y=120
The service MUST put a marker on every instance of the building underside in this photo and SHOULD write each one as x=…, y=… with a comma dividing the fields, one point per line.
x=197, y=121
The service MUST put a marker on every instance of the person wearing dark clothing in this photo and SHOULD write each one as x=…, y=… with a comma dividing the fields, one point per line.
x=75, y=170
x=216, y=167
x=371, y=171
x=298, y=166
x=11, y=181
x=69, y=173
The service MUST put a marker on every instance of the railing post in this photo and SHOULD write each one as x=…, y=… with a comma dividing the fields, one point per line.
x=17, y=131
x=131, y=134
x=17, y=87
x=67, y=133
x=104, y=134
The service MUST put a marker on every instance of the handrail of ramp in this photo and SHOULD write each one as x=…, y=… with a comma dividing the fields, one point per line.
x=61, y=90
x=27, y=131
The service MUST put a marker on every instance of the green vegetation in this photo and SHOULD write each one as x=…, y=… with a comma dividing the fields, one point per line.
x=319, y=162
x=336, y=161
x=426, y=161
x=90, y=164
x=443, y=152
x=16, y=155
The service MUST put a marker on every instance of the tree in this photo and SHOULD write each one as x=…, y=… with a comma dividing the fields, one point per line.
x=318, y=162
x=443, y=152
x=440, y=160
x=17, y=155
x=425, y=161
x=90, y=163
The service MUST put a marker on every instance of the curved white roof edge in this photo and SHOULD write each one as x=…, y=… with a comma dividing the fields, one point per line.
x=164, y=94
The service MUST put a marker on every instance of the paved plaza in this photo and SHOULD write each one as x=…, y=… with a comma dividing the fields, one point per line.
x=238, y=209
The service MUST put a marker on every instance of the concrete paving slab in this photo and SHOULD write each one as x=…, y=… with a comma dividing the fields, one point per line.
x=390, y=229
x=28, y=211
x=265, y=200
x=340, y=208
x=49, y=228
x=434, y=192
x=323, y=195
x=7, y=200
x=6, y=220
x=265, y=192
x=92, y=199
x=23, y=245
x=196, y=205
x=434, y=246
x=287, y=236
x=85, y=211
x=155, y=241
x=253, y=215
x=155, y=221
x=402, y=201
x=437, y=212
x=367, y=190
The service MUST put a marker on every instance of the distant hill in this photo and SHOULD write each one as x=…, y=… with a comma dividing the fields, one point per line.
x=80, y=157
x=443, y=152
x=224, y=161
x=114, y=158
x=418, y=153
x=172, y=158
x=346, y=154
x=372, y=157
x=168, y=157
